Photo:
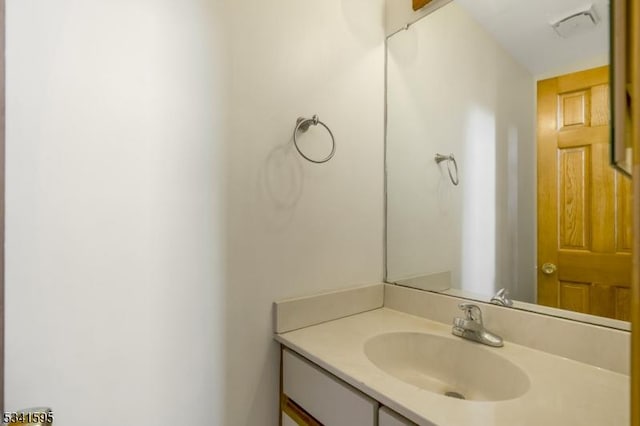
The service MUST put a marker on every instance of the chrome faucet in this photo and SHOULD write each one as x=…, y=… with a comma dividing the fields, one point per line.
x=502, y=298
x=471, y=326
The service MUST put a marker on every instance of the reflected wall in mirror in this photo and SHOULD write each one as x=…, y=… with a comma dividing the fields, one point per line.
x=523, y=105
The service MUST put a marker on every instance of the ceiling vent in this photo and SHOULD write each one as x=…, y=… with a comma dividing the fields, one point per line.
x=576, y=23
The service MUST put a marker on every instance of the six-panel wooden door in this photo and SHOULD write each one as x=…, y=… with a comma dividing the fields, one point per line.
x=584, y=205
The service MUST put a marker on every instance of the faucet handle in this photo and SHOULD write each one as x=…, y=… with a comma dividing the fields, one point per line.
x=471, y=312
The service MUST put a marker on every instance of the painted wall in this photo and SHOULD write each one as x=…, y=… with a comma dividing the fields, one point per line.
x=115, y=174
x=156, y=207
x=295, y=227
x=588, y=63
x=452, y=89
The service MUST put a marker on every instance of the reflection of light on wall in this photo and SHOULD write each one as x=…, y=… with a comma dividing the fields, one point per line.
x=478, y=174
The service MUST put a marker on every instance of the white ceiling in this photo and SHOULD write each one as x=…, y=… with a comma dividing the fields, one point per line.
x=523, y=28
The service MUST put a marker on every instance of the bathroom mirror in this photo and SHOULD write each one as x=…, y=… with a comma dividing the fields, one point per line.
x=475, y=200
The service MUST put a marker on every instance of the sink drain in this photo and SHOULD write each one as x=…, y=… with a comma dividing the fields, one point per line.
x=454, y=395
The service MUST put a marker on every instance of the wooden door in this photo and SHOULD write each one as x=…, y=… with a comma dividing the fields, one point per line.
x=584, y=205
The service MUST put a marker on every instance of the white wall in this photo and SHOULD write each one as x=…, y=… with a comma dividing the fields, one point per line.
x=156, y=208
x=294, y=227
x=452, y=89
x=585, y=64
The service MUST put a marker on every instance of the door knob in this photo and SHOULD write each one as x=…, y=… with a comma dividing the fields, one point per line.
x=549, y=268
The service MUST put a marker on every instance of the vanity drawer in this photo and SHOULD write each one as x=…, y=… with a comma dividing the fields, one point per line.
x=325, y=397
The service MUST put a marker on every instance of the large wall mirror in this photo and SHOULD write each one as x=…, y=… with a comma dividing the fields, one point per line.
x=498, y=158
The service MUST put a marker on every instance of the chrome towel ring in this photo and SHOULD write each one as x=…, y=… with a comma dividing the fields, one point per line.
x=303, y=124
x=449, y=159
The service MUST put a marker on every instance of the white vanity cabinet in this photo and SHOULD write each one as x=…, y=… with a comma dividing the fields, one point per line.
x=312, y=396
x=388, y=417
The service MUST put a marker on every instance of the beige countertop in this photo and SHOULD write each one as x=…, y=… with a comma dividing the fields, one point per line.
x=562, y=391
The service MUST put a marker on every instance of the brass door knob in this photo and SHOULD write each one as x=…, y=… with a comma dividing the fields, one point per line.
x=549, y=268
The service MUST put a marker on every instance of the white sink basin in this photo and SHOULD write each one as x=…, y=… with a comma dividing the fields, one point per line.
x=447, y=366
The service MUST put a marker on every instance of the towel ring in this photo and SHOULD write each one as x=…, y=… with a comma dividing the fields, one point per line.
x=303, y=125
x=449, y=159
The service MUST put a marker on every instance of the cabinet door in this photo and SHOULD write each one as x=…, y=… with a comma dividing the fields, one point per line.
x=325, y=397
x=388, y=417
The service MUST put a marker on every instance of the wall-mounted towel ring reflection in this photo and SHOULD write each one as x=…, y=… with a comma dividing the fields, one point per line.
x=449, y=159
x=302, y=125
